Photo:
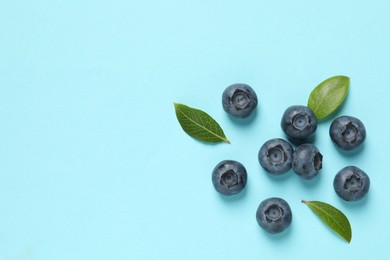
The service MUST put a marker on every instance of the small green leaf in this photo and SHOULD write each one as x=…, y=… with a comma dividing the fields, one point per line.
x=199, y=124
x=328, y=96
x=332, y=217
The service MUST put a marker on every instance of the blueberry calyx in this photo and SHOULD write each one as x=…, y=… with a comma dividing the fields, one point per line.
x=350, y=133
x=317, y=161
x=353, y=183
x=301, y=121
x=229, y=179
x=276, y=155
x=240, y=99
x=273, y=213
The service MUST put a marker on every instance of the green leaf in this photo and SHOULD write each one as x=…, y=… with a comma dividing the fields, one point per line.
x=328, y=96
x=332, y=217
x=199, y=124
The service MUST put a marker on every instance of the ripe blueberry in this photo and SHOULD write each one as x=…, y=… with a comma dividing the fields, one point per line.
x=239, y=100
x=274, y=215
x=351, y=183
x=275, y=156
x=347, y=132
x=229, y=177
x=307, y=161
x=298, y=123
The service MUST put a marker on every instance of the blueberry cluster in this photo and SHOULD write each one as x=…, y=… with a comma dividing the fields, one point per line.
x=277, y=156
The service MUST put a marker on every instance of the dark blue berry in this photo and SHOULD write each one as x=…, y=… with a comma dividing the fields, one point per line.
x=274, y=215
x=307, y=161
x=229, y=177
x=351, y=183
x=347, y=132
x=275, y=156
x=298, y=123
x=239, y=100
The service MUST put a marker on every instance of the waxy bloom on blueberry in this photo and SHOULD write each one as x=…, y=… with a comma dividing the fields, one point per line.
x=347, y=132
x=239, y=100
x=229, y=177
x=298, y=123
x=351, y=183
x=307, y=161
x=275, y=156
x=274, y=215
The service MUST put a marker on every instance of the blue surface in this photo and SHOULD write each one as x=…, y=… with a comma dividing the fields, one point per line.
x=94, y=165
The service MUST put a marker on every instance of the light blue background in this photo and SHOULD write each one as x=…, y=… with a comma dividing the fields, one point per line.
x=94, y=165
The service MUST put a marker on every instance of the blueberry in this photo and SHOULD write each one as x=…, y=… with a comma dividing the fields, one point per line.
x=239, y=100
x=298, y=123
x=275, y=156
x=307, y=161
x=274, y=215
x=351, y=183
x=347, y=132
x=229, y=177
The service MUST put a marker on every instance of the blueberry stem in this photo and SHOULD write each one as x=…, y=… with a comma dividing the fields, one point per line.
x=304, y=201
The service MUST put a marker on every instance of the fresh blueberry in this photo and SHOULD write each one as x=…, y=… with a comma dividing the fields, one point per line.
x=274, y=215
x=307, y=161
x=229, y=177
x=275, y=156
x=298, y=123
x=351, y=183
x=239, y=100
x=347, y=132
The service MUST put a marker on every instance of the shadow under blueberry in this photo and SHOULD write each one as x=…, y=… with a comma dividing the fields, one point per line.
x=244, y=121
x=235, y=197
x=278, y=237
x=352, y=153
x=296, y=142
x=356, y=205
x=277, y=178
x=312, y=183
